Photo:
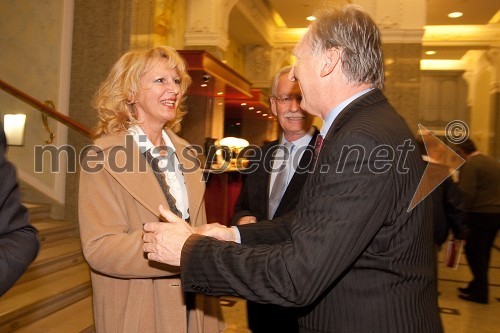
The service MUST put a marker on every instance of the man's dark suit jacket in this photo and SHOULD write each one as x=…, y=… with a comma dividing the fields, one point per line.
x=254, y=200
x=254, y=197
x=353, y=251
x=18, y=240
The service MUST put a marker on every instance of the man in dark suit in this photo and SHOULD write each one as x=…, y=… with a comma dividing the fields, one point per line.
x=480, y=186
x=354, y=251
x=261, y=199
x=18, y=240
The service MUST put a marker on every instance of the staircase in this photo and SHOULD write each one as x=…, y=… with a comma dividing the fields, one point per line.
x=54, y=294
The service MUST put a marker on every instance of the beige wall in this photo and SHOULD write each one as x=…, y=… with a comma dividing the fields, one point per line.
x=35, y=48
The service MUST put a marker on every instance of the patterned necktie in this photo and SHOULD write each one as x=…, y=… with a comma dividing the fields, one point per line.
x=160, y=177
x=281, y=181
x=317, y=146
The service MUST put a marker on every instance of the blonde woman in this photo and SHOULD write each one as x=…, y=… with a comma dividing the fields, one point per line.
x=139, y=159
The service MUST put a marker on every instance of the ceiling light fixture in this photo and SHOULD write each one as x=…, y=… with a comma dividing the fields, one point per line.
x=455, y=14
x=430, y=52
x=311, y=18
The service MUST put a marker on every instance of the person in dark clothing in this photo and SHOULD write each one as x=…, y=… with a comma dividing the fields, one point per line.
x=255, y=202
x=19, y=242
x=480, y=186
x=354, y=251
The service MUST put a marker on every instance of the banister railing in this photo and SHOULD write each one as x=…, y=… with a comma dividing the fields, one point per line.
x=51, y=112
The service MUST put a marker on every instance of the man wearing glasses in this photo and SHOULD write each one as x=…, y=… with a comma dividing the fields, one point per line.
x=273, y=188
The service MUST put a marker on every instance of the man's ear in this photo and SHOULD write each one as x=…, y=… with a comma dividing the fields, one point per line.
x=274, y=107
x=331, y=58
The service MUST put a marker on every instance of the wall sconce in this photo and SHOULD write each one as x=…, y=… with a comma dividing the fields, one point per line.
x=14, y=128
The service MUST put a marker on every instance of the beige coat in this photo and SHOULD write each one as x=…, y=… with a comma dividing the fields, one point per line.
x=131, y=293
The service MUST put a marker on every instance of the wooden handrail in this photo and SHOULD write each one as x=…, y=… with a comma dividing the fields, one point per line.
x=45, y=109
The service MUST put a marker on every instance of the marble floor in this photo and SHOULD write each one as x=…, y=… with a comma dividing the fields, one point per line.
x=458, y=316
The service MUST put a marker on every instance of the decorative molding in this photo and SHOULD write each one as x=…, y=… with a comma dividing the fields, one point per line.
x=442, y=65
x=258, y=64
x=392, y=29
x=287, y=37
x=464, y=35
x=493, y=56
x=197, y=27
x=402, y=36
x=207, y=39
x=280, y=57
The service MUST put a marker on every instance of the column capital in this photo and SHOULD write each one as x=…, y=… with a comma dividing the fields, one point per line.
x=207, y=23
x=493, y=56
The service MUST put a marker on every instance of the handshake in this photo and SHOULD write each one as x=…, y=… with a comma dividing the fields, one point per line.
x=163, y=242
x=217, y=230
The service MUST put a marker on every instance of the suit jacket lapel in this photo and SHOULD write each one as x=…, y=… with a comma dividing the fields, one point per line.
x=138, y=179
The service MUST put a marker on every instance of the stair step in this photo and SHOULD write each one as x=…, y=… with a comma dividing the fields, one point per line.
x=77, y=317
x=52, y=230
x=37, y=211
x=54, y=256
x=35, y=299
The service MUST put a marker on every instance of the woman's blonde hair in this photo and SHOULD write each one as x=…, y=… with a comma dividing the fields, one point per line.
x=113, y=100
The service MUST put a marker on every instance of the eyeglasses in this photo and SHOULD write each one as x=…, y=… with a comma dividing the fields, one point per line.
x=288, y=99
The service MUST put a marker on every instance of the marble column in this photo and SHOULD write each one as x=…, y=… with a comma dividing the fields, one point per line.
x=101, y=34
